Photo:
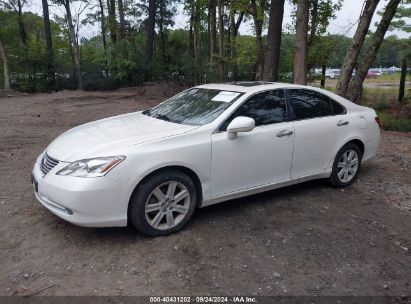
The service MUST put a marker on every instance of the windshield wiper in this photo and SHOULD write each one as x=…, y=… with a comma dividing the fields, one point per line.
x=146, y=112
x=158, y=116
x=163, y=117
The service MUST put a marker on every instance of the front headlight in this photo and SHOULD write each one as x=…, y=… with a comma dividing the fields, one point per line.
x=94, y=167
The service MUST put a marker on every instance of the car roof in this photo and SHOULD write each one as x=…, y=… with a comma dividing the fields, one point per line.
x=258, y=86
x=250, y=86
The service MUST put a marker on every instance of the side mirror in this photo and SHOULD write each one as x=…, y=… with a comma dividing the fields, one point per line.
x=240, y=124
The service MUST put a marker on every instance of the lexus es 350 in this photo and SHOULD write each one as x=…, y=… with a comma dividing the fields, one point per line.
x=208, y=144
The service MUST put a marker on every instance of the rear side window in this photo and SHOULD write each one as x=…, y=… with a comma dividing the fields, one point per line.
x=309, y=104
x=265, y=108
x=338, y=109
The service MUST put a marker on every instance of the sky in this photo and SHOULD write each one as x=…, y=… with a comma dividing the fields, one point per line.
x=345, y=22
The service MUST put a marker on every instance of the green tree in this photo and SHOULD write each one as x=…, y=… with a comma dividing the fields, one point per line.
x=354, y=50
x=49, y=44
x=17, y=6
x=73, y=34
x=151, y=21
x=401, y=21
x=272, y=54
x=355, y=88
x=258, y=10
x=301, y=48
x=8, y=28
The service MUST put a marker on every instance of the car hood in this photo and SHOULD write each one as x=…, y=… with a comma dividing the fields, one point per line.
x=108, y=136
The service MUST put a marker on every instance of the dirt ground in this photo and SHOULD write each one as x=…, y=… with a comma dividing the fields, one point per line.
x=308, y=239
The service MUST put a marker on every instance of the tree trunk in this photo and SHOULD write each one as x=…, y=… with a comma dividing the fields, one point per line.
x=23, y=34
x=234, y=27
x=313, y=31
x=6, y=71
x=354, y=92
x=351, y=56
x=196, y=41
x=323, y=72
x=272, y=56
x=124, y=41
x=209, y=30
x=111, y=8
x=401, y=94
x=122, y=19
x=103, y=34
x=260, y=49
x=314, y=22
x=74, y=45
x=161, y=32
x=150, y=37
x=49, y=45
x=103, y=25
x=238, y=23
x=191, y=31
x=232, y=45
x=213, y=30
x=221, y=38
x=112, y=24
x=258, y=26
x=301, y=49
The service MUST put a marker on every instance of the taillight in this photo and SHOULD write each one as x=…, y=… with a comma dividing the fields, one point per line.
x=378, y=120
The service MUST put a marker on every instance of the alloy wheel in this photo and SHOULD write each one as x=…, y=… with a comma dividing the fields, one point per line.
x=348, y=166
x=167, y=205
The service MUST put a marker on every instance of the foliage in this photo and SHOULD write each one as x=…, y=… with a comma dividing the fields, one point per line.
x=392, y=123
x=122, y=63
x=28, y=62
x=402, y=17
x=325, y=10
x=382, y=103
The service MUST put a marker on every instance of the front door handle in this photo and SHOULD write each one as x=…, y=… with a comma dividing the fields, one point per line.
x=343, y=123
x=284, y=133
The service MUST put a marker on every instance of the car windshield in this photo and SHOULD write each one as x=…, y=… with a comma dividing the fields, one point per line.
x=194, y=106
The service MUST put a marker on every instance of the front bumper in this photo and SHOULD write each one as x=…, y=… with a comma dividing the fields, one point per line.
x=87, y=202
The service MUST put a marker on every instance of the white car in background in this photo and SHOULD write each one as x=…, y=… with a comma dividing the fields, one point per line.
x=206, y=145
x=332, y=73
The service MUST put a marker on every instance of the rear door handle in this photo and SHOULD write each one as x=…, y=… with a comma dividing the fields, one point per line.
x=284, y=133
x=343, y=123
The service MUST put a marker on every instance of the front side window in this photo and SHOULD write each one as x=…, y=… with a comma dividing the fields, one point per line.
x=265, y=108
x=309, y=104
x=194, y=106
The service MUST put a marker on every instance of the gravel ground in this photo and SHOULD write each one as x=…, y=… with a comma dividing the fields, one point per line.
x=307, y=239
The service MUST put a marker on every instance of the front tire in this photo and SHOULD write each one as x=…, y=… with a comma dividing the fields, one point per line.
x=346, y=166
x=163, y=204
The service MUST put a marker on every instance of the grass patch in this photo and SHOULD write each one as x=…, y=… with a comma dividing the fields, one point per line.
x=387, y=77
x=393, y=123
x=377, y=97
x=382, y=103
x=331, y=89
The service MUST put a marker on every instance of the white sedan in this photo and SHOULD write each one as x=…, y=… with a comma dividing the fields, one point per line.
x=206, y=145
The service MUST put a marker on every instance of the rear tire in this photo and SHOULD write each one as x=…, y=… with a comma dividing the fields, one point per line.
x=346, y=166
x=163, y=204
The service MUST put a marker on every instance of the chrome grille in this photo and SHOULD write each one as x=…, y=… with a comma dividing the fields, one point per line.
x=48, y=163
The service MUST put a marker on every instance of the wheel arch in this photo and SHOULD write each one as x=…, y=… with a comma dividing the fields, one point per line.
x=189, y=172
x=359, y=143
x=355, y=140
